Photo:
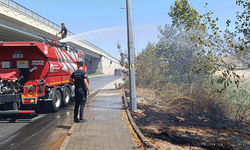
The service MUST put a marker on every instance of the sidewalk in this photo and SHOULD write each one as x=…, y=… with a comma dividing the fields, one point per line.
x=105, y=129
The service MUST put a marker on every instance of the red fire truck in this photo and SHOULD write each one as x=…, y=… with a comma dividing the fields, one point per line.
x=35, y=75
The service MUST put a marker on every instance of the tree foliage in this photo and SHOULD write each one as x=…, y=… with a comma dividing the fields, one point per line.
x=149, y=70
x=230, y=49
x=194, y=49
x=174, y=55
x=243, y=19
x=184, y=16
x=171, y=59
x=178, y=53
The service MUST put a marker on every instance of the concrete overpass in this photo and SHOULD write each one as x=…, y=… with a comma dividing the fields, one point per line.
x=18, y=23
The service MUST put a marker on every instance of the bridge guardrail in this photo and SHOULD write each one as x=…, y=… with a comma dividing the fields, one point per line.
x=29, y=13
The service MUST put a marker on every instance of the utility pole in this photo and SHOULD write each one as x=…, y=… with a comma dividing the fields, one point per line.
x=131, y=57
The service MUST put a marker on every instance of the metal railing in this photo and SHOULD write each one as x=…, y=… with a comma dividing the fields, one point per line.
x=29, y=13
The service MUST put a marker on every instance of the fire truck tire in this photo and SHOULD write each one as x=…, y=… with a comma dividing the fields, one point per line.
x=66, y=97
x=55, y=104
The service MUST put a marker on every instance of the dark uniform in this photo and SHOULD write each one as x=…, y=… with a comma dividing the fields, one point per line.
x=80, y=92
x=65, y=32
x=64, y=35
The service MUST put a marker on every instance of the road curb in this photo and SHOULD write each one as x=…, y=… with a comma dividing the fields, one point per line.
x=135, y=127
x=67, y=138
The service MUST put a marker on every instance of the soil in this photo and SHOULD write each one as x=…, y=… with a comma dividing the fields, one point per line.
x=167, y=128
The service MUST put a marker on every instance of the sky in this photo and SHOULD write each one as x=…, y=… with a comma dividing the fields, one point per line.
x=103, y=22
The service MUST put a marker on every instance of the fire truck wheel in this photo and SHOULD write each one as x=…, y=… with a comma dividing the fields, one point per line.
x=66, y=97
x=55, y=104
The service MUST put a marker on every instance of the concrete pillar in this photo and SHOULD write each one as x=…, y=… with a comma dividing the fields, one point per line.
x=95, y=65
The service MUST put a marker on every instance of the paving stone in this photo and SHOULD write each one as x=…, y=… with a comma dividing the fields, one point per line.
x=106, y=128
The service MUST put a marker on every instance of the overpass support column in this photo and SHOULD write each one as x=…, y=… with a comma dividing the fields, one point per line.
x=96, y=66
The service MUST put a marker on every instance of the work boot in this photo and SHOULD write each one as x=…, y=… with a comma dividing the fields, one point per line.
x=83, y=120
x=76, y=121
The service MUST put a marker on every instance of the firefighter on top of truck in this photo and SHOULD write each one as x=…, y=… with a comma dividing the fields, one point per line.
x=63, y=31
x=81, y=84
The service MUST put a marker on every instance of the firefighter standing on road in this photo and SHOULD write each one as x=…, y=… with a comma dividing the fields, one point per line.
x=81, y=84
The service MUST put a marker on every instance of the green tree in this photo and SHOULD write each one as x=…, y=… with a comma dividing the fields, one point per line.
x=226, y=53
x=184, y=16
x=231, y=50
x=149, y=70
x=178, y=54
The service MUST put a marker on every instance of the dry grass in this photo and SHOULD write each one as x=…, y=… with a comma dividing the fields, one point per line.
x=189, y=99
x=158, y=122
x=139, y=144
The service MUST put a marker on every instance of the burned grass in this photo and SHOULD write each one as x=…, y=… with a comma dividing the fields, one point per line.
x=167, y=127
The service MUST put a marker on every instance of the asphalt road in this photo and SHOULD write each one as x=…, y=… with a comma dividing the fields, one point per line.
x=43, y=131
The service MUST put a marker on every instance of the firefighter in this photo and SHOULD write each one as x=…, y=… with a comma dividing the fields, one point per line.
x=81, y=86
x=63, y=31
